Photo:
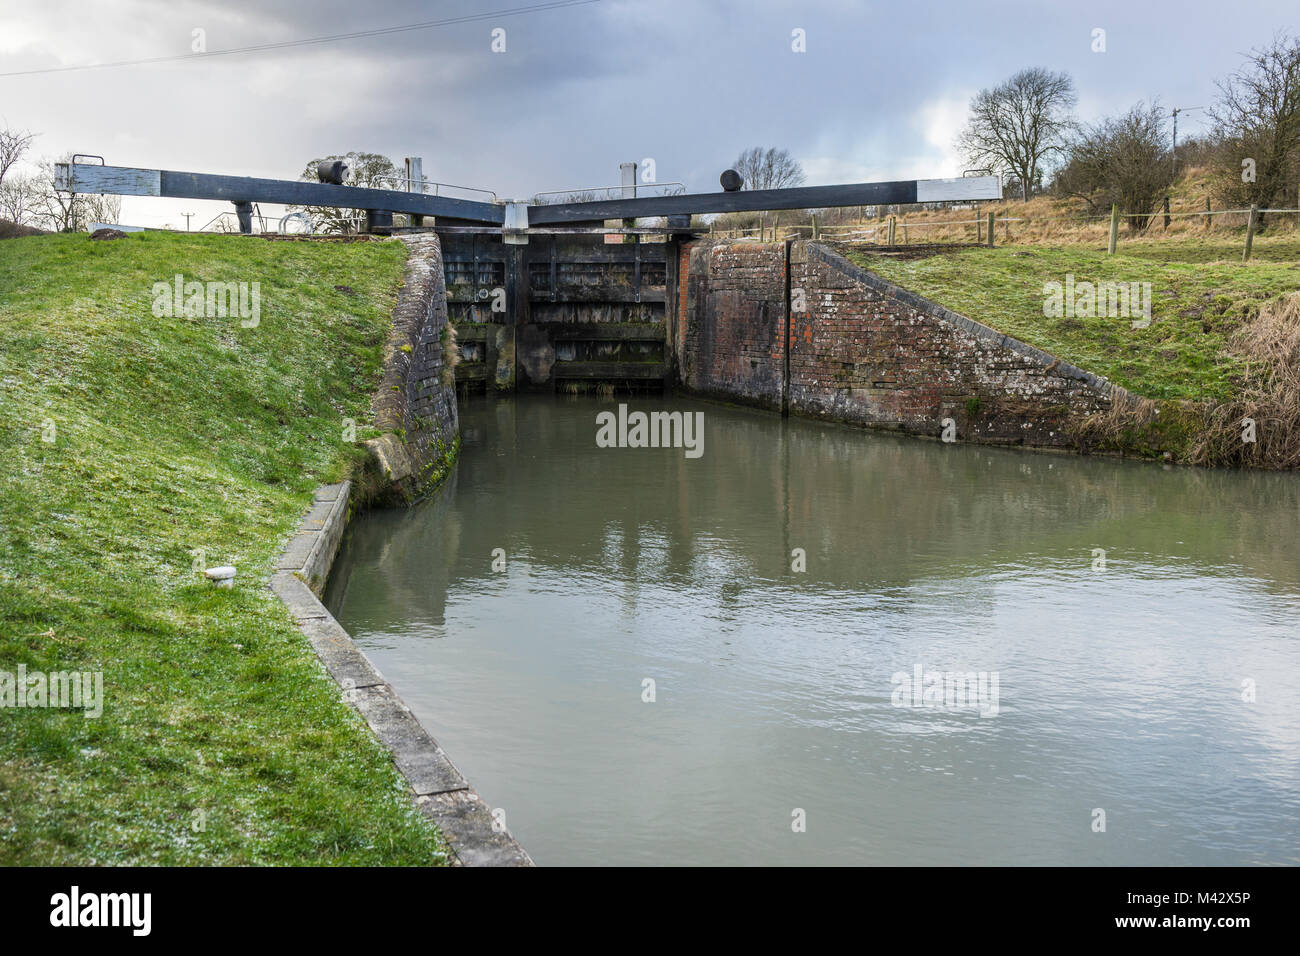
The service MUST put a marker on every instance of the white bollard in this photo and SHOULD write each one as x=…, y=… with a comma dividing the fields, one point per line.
x=222, y=577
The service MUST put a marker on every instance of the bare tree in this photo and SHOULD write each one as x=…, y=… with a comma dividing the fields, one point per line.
x=20, y=199
x=367, y=170
x=584, y=195
x=1257, y=116
x=13, y=144
x=105, y=208
x=62, y=211
x=769, y=168
x=1123, y=160
x=55, y=209
x=1019, y=125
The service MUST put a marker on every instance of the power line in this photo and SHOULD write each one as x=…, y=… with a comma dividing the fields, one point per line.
x=358, y=34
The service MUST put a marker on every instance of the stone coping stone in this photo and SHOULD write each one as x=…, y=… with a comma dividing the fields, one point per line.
x=438, y=789
x=465, y=818
x=298, y=598
x=299, y=549
x=341, y=657
x=333, y=492
x=417, y=754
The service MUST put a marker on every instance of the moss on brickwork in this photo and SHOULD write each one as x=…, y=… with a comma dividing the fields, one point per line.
x=436, y=471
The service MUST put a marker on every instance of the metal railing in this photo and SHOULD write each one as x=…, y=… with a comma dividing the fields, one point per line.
x=639, y=190
x=436, y=187
x=281, y=224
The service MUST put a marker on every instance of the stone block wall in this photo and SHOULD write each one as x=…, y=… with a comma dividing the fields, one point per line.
x=415, y=405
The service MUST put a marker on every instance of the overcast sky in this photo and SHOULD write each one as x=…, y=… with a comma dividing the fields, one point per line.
x=879, y=93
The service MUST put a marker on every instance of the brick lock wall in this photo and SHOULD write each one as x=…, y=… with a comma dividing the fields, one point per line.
x=683, y=294
x=732, y=340
x=867, y=352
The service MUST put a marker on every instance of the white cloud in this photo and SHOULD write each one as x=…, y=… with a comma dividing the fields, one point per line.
x=828, y=170
x=880, y=95
x=938, y=122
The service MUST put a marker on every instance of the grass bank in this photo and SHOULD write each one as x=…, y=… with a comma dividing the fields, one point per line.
x=1199, y=299
x=134, y=447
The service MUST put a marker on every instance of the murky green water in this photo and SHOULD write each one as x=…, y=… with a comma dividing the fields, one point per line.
x=1118, y=690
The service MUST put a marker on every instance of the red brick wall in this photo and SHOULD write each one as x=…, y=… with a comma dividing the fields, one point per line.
x=731, y=342
x=683, y=294
x=865, y=351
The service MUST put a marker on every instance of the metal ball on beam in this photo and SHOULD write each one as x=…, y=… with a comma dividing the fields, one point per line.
x=332, y=171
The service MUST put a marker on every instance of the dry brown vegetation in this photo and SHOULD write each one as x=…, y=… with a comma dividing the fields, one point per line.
x=1257, y=428
x=1269, y=397
x=13, y=230
x=1043, y=220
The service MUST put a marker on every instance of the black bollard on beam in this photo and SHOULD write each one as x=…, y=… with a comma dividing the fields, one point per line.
x=379, y=222
x=332, y=171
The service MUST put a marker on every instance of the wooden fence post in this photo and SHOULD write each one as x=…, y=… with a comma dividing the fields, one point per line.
x=1207, y=212
x=979, y=228
x=1114, y=228
x=1166, y=214
x=891, y=230
x=990, y=229
x=1250, y=231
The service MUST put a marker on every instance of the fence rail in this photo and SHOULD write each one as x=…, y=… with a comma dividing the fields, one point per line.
x=890, y=230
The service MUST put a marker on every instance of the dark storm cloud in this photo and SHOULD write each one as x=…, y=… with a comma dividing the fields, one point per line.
x=879, y=93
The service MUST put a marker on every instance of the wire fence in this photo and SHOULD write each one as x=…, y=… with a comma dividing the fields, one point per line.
x=902, y=230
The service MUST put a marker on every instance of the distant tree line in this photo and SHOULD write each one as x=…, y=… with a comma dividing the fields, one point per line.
x=1025, y=128
x=29, y=200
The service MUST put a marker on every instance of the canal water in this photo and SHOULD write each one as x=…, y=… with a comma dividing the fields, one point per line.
x=615, y=646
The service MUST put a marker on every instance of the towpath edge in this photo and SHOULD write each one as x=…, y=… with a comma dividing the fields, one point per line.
x=438, y=789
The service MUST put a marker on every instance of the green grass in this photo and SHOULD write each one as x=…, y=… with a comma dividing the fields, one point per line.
x=173, y=435
x=1200, y=293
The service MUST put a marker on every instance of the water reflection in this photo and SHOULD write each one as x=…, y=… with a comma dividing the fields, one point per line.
x=1120, y=689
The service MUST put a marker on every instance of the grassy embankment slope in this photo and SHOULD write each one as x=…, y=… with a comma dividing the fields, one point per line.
x=222, y=740
x=1201, y=294
x=1207, y=359
x=1223, y=345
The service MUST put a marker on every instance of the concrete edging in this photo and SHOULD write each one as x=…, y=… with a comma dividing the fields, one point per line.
x=438, y=789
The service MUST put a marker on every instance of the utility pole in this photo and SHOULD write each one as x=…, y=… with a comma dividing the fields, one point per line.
x=1173, y=153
